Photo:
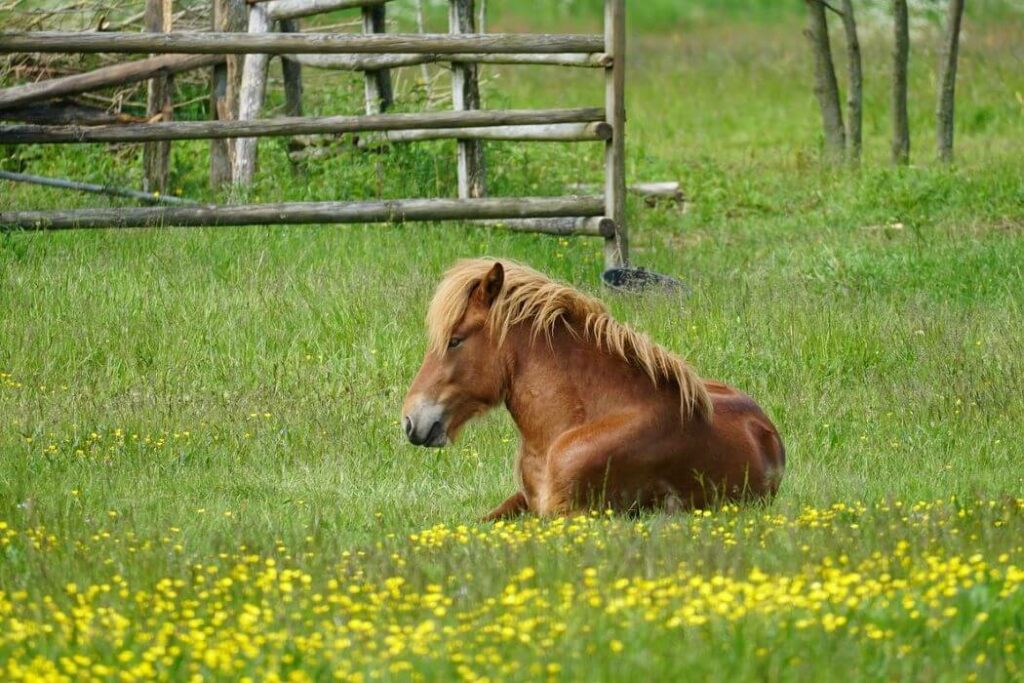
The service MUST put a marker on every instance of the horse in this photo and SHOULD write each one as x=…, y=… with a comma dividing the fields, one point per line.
x=606, y=417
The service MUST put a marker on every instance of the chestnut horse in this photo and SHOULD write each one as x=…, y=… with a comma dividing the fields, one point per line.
x=606, y=417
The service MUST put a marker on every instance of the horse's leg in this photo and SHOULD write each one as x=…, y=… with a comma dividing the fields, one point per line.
x=513, y=506
x=581, y=465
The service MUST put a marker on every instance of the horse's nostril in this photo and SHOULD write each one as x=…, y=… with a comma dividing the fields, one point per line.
x=435, y=434
x=408, y=426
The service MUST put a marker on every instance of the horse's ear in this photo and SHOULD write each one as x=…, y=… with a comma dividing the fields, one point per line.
x=490, y=286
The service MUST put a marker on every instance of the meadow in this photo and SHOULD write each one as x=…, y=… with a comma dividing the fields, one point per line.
x=203, y=476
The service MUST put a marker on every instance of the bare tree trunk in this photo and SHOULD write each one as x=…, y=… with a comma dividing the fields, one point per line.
x=854, y=98
x=947, y=81
x=826, y=88
x=156, y=156
x=900, y=57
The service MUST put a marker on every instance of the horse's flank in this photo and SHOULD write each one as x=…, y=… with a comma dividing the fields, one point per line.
x=529, y=297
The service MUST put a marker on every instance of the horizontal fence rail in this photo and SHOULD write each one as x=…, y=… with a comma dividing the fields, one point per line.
x=393, y=211
x=594, y=60
x=558, y=132
x=117, y=74
x=298, y=43
x=291, y=125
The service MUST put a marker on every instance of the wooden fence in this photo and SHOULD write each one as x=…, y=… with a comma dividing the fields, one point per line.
x=374, y=53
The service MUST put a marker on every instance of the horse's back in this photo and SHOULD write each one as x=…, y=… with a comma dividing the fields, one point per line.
x=739, y=453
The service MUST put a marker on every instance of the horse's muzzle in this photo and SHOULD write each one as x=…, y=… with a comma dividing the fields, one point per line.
x=426, y=427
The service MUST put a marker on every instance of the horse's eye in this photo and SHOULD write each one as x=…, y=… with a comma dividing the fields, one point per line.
x=454, y=342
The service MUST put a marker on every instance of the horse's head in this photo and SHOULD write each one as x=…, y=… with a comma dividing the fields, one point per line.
x=463, y=373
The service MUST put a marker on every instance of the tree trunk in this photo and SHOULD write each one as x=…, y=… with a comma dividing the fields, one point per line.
x=901, y=54
x=947, y=81
x=825, y=86
x=854, y=98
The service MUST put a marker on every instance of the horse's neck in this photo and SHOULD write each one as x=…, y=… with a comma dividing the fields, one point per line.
x=554, y=387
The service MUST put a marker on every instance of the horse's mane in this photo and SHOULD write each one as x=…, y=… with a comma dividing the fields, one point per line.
x=528, y=295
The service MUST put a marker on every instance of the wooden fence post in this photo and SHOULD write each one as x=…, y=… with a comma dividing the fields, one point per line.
x=250, y=102
x=228, y=16
x=616, y=248
x=378, y=81
x=291, y=72
x=156, y=156
x=466, y=95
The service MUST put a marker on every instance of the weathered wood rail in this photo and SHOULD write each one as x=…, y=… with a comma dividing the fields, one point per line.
x=118, y=74
x=594, y=60
x=389, y=211
x=240, y=49
x=291, y=125
x=294, y=43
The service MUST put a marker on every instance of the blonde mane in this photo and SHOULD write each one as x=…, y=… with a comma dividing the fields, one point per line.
x=528, y=295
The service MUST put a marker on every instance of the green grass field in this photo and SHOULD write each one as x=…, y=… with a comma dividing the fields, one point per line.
x=202, y=474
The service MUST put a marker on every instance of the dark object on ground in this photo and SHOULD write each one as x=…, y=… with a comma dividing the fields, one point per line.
x=637, y=280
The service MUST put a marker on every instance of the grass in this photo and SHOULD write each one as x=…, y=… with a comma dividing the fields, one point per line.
x=185, y=407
